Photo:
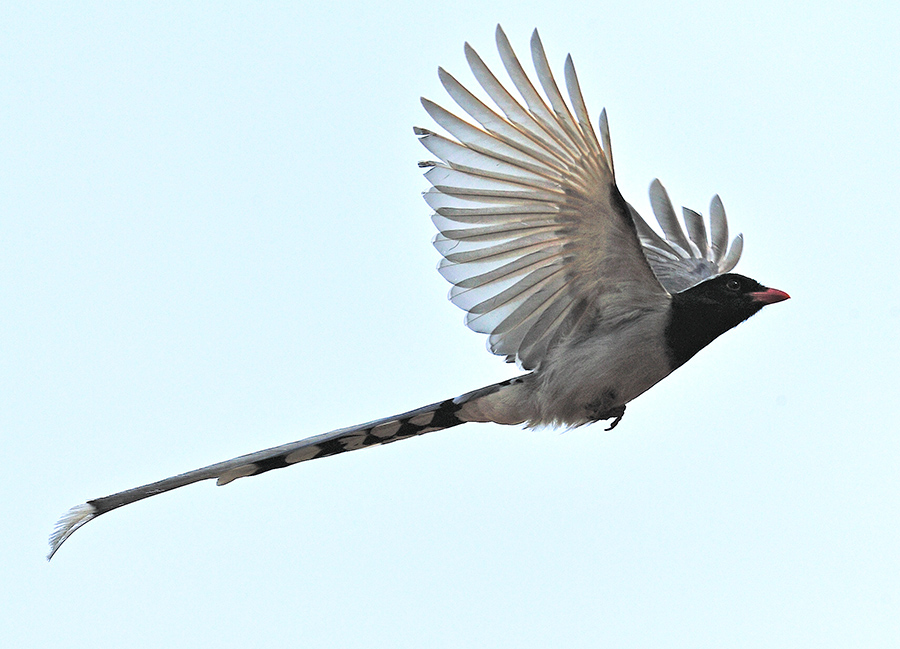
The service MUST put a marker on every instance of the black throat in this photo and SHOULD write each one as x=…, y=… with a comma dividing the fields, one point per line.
x=696, y=320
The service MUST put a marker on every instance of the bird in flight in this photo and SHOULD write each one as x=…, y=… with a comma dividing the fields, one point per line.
x=548, y=259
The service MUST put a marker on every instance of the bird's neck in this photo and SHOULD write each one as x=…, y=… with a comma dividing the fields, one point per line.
x=694, y=323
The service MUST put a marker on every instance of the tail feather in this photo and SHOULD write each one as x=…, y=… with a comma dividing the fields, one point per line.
x=427, y=419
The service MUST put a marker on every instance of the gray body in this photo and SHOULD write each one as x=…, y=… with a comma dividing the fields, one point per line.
x=585, y=377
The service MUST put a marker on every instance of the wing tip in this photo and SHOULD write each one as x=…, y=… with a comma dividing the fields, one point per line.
x=68, y=523
x=501, y=39
x=734, y=254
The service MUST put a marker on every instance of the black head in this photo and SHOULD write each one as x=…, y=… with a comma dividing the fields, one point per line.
x=704, y=312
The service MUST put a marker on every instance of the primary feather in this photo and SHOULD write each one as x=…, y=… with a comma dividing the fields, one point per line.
x=680, y=261
x=532, y=225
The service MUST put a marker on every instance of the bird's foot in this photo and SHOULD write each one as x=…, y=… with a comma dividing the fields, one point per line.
x=616, y=415
x=599, y=410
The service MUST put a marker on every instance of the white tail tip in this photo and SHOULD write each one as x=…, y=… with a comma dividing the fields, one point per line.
x=71, y=521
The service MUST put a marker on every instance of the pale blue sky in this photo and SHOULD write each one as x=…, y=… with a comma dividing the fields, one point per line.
x=212, y=240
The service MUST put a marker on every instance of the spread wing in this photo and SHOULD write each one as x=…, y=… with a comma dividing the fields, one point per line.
x=535, y=236
x=686, y=257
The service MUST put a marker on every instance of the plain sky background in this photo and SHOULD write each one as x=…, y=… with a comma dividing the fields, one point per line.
x=212, y=241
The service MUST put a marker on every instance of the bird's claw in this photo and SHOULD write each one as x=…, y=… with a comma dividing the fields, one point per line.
x=598, y=411
x=618, y=413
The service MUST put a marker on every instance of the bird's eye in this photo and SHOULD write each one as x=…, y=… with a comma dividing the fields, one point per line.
x=733, y=285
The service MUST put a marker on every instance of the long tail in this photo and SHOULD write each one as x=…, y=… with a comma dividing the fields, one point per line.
x=427, y=419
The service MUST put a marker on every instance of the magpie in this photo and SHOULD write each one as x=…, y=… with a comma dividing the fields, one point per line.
x=547, y=258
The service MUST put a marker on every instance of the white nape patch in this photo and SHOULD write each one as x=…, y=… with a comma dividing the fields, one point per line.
x=422, y=420
x=302, y=454
x=234, y=474
x=386, y=430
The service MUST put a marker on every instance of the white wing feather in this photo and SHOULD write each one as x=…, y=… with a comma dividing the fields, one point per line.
x=533, y=231
x=686, y=256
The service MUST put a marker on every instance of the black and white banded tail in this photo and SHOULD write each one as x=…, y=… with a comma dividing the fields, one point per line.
x=426, y=419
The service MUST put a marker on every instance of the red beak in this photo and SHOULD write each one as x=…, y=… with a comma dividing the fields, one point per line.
x=769, y=296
